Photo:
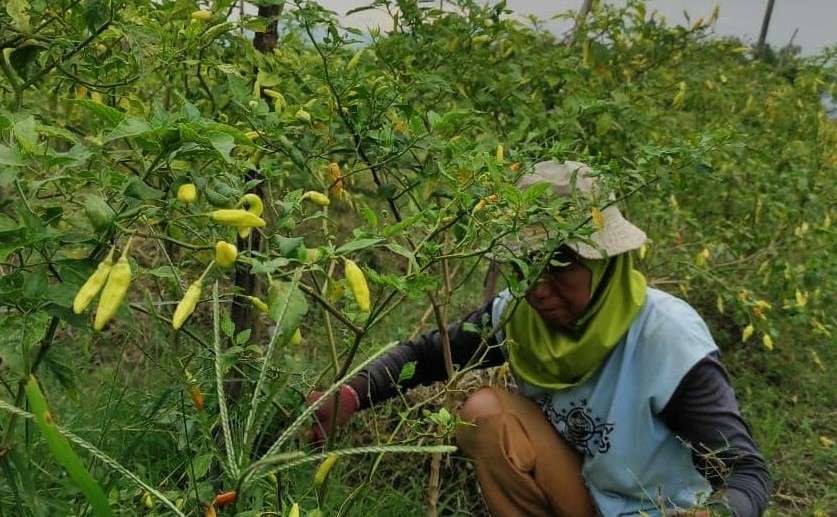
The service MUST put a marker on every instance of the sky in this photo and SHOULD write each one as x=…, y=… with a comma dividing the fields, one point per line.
x=815, y=19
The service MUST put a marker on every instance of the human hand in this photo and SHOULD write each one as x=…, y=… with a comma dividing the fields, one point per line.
x=324, y=415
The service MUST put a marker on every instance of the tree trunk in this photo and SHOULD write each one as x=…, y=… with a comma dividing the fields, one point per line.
x=266, y=41
x=583, y=11
x=765, y=24
x=247, y=284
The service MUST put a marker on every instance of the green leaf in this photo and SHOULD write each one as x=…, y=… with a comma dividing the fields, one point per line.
x=470, y=328
x=356, y=245
x=201, y=465
x=407, y=371
x=230, y=358
x=98, y=212
x=24, y=131
x=404, y=252
x=227, y=326
x=128, y=127
x=288, y=245
x=57, y=132
x=8, y=225
x=77, y=155
x=63, y=452
x=223, y=143
x=64, y=373
x=369, y=216
x=138, y=189
x=267, y=267
x=19, y=333
x=17, y=10
x=161, y=272
x=267, y=79
x=110, y=116
x=287, y=306
x=450, y=123
x=10, y=157
x=397, y=228
x=243, y=336
x=35, y=284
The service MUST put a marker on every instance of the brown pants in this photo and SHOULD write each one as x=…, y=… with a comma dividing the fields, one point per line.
x=523, y=465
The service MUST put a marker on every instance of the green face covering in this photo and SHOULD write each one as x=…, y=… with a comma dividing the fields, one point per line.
x=558, y=359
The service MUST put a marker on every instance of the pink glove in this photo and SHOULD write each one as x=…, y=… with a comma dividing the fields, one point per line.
x=349, y=404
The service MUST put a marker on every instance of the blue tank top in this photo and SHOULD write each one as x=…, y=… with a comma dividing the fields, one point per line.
x=633, y=463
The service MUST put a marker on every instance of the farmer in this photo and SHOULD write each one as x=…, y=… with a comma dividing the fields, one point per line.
x=622, y=406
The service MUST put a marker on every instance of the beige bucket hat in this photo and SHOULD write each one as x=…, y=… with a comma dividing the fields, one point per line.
x=617, y=235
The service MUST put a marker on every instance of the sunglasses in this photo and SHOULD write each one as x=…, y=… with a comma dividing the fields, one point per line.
x=559, y=260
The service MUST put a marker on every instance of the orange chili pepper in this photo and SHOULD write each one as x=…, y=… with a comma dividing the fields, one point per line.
x=225, y=498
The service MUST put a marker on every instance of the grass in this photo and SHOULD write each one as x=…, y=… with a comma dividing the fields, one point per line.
x=120, y=405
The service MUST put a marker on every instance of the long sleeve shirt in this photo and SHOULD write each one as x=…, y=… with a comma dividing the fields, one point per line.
x=703, y=410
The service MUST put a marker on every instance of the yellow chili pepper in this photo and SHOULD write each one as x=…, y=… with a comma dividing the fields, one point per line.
x=312, y=255
x=201, y=16
x=187, y=304
x=318, y=198
x=747, y=332
x=324, y=468
x=253, y=204
x=335, y=179
x=237, y=217
x=303, y=116
x=187, y=193
x=93, y=285
x=273, y=94
x=357, y=283
x=279, y=102
x=767, y=341
x=487, y=200
x=294, y=510
x=190, y=299
x=252, y=135
x=296, y=338
x=225, y=254
x=259, y=304
x=114, y=291
x=500, y=154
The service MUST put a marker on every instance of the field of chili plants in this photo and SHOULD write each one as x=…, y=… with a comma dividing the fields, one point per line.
x=207, y=211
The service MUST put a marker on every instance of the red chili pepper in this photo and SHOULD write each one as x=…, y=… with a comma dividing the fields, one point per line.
x=197, y=397
x=225, y=498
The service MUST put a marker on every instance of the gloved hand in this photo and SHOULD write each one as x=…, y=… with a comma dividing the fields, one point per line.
x=349, y=404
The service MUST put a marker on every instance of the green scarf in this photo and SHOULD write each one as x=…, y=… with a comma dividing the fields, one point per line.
x=555, y=359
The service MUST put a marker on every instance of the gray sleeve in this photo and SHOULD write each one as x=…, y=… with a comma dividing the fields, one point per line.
x=704, y=412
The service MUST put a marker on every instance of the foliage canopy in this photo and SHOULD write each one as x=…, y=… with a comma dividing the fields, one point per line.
x=110, y=107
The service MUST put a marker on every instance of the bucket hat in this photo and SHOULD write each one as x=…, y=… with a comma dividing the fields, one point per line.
x=617, y=235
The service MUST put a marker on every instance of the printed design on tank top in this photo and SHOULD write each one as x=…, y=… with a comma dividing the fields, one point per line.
x=577, y=424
